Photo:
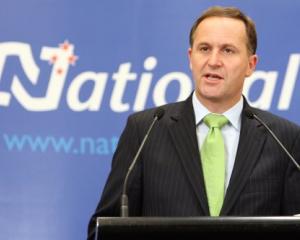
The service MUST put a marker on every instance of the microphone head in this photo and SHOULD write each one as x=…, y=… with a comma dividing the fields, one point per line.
x=159, y=113
x=248, y=113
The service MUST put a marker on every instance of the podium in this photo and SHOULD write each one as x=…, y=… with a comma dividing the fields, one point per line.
x=109, y=228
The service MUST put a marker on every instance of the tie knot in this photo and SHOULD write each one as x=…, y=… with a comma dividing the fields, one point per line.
x=215, y=120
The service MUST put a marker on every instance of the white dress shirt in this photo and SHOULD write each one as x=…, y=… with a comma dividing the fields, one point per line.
x=230, y=132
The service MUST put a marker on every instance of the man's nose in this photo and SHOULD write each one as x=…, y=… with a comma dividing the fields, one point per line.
x=214, y=59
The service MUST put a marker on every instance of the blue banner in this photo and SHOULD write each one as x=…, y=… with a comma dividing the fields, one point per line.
x=72, y=71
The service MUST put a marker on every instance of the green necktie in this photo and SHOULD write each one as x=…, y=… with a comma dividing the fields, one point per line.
x=213, y=162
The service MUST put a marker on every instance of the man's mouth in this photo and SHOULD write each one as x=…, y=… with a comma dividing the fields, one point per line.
x=213, y=76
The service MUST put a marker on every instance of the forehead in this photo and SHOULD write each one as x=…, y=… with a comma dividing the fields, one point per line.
x=221, y=29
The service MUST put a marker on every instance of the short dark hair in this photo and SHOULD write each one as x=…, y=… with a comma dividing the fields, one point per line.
x=229, y=12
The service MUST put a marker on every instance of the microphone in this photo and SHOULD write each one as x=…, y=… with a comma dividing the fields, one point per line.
x=251, y=115
x=124, y=199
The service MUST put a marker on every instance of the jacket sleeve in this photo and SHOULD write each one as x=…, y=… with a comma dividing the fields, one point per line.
x=291, y=199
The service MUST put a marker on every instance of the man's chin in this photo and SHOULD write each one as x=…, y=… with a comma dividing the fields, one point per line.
x=213, y=97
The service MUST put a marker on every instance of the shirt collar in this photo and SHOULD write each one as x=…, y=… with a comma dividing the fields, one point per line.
x=233, y=114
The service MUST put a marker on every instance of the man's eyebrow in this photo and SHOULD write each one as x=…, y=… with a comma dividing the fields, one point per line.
x=202, y=44
x=221, y=45
x=228, y=45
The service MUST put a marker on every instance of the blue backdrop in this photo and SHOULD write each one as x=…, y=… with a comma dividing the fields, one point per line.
x=72, y=71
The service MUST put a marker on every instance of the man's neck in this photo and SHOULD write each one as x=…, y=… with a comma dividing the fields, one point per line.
x=217, y=105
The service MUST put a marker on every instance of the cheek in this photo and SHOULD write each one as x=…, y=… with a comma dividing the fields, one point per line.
x=239, y=71
x=237, y=81
x=196, y=65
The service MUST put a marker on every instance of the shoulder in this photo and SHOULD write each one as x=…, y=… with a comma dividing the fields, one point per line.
x=277, y=122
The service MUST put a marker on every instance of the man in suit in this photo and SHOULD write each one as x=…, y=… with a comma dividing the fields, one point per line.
x=169, y=178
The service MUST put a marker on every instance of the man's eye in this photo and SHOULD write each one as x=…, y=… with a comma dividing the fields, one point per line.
x=203, y=49
x=228, y=50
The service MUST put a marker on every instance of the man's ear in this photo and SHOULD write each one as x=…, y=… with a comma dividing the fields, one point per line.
x=189, y=55
x=253, y=59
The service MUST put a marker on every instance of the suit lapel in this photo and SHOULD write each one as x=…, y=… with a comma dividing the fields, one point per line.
x=182, y=129
x=252, y=139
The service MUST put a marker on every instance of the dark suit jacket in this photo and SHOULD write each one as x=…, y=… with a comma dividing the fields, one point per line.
x=168, y=181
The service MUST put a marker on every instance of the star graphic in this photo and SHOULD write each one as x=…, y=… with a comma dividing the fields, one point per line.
x=72, y=59
x=53, y=59
x=59, y=71
x=65, y=45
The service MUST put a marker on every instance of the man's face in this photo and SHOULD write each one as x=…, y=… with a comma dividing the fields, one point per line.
x=220, y=61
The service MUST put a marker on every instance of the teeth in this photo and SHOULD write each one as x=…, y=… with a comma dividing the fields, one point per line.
x=211, y=76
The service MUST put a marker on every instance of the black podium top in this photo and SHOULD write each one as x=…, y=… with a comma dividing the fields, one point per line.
x=191, y=227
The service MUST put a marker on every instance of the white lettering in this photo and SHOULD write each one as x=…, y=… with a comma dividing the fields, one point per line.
x=160, y=88
x=63, y=56
x=23, y=51
x=145, y=83
x=121, y=78
x=60, y=57
x=265, y=99
x=94, y=101
x=289, y=82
